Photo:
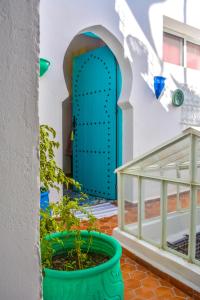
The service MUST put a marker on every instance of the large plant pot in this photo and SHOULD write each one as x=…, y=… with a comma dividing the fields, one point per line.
x=103, y=282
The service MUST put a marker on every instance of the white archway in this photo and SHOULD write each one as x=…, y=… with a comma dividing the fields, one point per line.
x=124, y=100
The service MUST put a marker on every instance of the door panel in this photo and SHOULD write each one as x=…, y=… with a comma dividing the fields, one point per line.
x=94, y=114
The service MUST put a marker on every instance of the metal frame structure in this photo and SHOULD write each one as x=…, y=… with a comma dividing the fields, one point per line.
x=161, y=159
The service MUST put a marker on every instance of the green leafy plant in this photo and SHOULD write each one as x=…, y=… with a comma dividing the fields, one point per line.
x=51, y=175
x=60, y=216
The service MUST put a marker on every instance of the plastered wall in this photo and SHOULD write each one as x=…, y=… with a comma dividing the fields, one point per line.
x=19, y=162
x=138, y=27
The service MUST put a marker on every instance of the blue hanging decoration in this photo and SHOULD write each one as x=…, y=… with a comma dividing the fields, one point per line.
x=159, y=84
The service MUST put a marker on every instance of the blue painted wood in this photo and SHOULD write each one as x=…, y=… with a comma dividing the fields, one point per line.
x=94, y=96
x=119, y=119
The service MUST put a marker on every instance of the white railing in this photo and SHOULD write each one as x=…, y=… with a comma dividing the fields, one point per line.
x=139, y=170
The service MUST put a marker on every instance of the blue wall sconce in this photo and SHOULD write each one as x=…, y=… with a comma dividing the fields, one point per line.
x=159, y=84
x=44, y=65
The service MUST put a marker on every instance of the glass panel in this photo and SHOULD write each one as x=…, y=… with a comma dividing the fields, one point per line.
x=172, y=49
x=172, y=198
x=170, y=162
x=178, y=198
x=197, y=252
x=130, y=196
x=198, y=198
x=151, y=225
x=178, y=217
x=193, y=56
x=197, y=173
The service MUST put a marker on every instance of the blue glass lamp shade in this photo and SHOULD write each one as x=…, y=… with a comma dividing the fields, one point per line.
x=159, y=84
x=44, y=65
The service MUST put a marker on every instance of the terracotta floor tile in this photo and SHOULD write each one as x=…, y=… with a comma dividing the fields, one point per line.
x=165, y=283
x=138, y=275
x=132, y=284
x=141, y=268
x=128, y=294
x=178, y=293
x=126, y=276
x=168, y=298
x=150, y=282
x=144, y=293
x=127, y=268
x=164, y=292
x=177, y=298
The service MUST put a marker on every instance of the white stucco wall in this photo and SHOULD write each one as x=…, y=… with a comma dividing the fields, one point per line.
x=138, y=26
x=19, y=163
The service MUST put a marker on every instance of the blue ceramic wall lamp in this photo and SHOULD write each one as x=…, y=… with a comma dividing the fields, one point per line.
x=159, y=84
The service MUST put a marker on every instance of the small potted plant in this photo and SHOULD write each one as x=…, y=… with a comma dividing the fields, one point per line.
x=76, y=264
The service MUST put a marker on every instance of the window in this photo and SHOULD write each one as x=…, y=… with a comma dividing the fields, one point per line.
x=172, y=49
x=180, y=51
x=193, y=56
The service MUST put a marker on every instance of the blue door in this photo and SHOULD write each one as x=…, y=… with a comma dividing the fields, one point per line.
x=94, y=93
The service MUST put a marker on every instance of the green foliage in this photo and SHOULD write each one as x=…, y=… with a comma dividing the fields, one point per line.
x=60, y=216
x=51, y=175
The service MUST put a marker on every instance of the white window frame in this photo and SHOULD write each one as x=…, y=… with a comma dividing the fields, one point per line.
x=186, y=39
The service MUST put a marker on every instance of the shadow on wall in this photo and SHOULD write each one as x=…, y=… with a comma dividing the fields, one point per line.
x=141, y=66
x=140, y=13
x=139, y=45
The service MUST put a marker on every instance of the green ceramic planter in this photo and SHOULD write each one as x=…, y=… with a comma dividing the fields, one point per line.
x=103, y=282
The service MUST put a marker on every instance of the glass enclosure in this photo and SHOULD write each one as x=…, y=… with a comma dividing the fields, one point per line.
x=159, y=196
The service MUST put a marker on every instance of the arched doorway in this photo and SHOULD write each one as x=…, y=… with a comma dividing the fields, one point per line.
x=96, y=136
x=97, y=122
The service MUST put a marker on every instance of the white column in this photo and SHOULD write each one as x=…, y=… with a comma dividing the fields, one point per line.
x=19, y=161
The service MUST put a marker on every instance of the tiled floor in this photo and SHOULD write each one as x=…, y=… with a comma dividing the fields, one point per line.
x=141, y=283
